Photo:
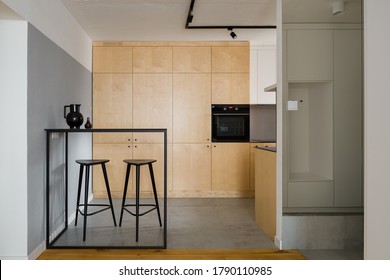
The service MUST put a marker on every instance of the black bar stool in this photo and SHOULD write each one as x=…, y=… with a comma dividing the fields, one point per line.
x=88, y=164
x=138, y=163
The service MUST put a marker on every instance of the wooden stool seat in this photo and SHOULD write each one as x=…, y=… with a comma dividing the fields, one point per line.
x=89, y=162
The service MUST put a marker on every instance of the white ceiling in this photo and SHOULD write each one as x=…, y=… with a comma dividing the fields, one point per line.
x=7, y=13
x=132, y=20
x=164, y=20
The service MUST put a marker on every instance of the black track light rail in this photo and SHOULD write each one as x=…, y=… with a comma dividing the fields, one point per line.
x=190, y=17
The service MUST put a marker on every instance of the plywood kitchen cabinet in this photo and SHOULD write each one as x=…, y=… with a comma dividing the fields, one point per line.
x=152, y=105
x=191, y=108
x=152, y=59
x=116, y=168
x=112, y=105
x=265, y=191
x=191, y=167
x=192, y=59
x=228, y=59
x=230, y=88
x=169, y=85
x=253, y=162
x=153, y=151
x=230, y=166
x=112, y=59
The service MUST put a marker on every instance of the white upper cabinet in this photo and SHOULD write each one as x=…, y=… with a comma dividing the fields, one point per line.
x=262, y=74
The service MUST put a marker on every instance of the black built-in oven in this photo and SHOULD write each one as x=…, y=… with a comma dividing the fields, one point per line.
x=230, y=123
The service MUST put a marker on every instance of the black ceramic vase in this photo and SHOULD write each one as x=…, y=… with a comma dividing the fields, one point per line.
x=74, y=118
x=88, y=124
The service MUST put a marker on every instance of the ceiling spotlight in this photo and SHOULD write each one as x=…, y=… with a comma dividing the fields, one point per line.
x=338, y=7
x=232, y=34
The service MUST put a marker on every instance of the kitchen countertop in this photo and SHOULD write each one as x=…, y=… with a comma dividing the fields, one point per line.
x=270, y=149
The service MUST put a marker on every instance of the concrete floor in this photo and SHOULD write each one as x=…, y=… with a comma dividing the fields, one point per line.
x=208, y=223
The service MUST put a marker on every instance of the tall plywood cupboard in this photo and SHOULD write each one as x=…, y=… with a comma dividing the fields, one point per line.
x=168, y=85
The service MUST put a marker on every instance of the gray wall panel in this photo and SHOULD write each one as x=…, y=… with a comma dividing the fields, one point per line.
x=55, y=79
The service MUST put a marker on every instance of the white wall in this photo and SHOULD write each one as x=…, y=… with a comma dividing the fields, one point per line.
x=54, y=20
x=377, y=130
x=13, y=139
x=279, y=128
x=22, y=176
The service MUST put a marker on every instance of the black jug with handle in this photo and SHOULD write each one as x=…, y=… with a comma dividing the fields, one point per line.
x=74, y=118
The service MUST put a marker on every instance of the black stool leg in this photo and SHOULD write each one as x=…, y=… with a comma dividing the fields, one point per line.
x=125, y=192
x=86, y=201
x=137, y=202
x=155, y=191
x=108, y=191
x=79, y=192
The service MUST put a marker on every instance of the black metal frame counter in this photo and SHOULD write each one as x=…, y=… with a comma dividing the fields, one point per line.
x=56, y=227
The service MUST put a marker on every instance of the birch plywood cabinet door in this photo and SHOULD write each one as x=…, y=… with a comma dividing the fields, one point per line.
x=152, y=105
x=153, y=151
x=230, y=59
x=230, y=166
x=191, y=59
x=112, y=59
x=116, y=168
x=192, y=167
x=230, y=88
x=152, y=60
x=191, y=108
x=112, y=105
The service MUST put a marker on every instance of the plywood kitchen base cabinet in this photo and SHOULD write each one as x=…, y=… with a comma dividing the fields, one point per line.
x=153, y=151
x=230, y=166
x=116, y=169
x=265, y=191
x=191, y=167
x=253, y=161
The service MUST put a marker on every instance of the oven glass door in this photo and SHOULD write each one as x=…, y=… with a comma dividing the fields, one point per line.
x=230, y=128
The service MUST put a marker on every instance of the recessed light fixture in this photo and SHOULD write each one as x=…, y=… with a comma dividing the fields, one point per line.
x=338, y=7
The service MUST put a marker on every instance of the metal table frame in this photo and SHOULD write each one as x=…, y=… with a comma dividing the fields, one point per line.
x=49, y=132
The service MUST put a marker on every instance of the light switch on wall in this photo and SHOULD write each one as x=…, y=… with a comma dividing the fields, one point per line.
x=292, y=105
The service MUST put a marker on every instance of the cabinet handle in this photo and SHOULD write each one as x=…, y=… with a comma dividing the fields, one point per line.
x=129, y=146
x=135, y=139
x=208, y=146
x=129, y=140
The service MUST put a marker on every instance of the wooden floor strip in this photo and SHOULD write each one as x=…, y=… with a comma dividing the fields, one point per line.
x=170, y=254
